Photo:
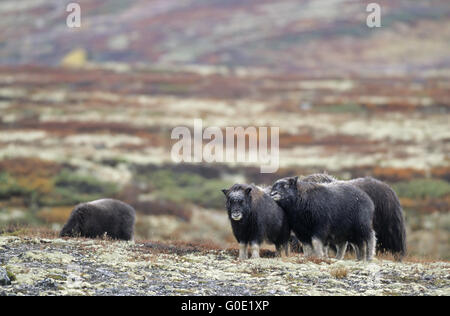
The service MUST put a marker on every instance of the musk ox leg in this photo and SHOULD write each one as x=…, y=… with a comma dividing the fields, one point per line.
x=357, y=251
x=340, y=250
x=279, y=250
x=371, y=245
x=325, y=251
x=286, y=249
x=243, y=254
x=317, y=247
x=307, y=250
x=283, y=248
x=255, y=250
x=361, y=251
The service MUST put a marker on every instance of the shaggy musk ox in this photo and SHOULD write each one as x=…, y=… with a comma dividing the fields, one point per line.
x=255, y=217
x=388, y=219
x=97, y=218
x=333, y=213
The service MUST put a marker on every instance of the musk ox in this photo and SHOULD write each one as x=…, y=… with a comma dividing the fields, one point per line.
x=255, y=218
x=388, y=219
x=333, y=213
x=97, y=218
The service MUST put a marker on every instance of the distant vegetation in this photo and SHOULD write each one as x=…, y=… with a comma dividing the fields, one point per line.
x=422, y=188
x=116, y=125
x=184, y=187
x=72, y=188
x=35, y=192
x=34, y=186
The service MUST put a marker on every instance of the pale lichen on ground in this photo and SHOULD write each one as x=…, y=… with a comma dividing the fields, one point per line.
x=103, y=267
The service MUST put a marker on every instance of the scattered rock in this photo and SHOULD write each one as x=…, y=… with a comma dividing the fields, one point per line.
x=100, y=267
x=4, y=279
x=47, y=284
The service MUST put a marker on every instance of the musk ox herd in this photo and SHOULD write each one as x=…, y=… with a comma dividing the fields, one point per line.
x=320, y=211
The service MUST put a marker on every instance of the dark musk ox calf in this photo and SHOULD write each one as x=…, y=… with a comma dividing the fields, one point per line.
x=333, y=213
x=255, y=218
x=97, y=218
x=388, y=219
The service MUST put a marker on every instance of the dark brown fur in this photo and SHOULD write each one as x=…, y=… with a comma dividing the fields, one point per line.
x=261, y=218
x=97, y=218
x=388, y=221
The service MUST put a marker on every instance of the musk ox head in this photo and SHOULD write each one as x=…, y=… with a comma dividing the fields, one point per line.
x=284, y=191
x=71, y=228
x=239, y=202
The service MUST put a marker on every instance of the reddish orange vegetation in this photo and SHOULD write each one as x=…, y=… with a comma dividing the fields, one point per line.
x=229, y=87
x=289, y=140
x=441, y=172
x=348, y=140
x=31, y=173
x=55, y=214
x=153, y=138
x=27, y=166
x=428, y=205
x=397, y=174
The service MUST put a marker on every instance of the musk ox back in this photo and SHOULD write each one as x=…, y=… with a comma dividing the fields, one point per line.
x=255, y=218
x=322, y=214
x=95, y=219
x=388, y=220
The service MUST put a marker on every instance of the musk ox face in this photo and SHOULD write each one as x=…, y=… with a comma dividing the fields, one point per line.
x=239, y=202
x=71, y=228
x=284, y=190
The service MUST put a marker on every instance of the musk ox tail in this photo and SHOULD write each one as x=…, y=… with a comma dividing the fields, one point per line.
x=388, y=221
x=389, y=224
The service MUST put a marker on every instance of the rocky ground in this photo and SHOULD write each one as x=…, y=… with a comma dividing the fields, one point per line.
x=38, y=266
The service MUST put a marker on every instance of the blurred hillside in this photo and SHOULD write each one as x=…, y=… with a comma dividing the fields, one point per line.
x=349, y=100
x=317, y=36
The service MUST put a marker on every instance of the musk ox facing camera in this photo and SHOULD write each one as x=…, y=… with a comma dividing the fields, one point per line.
x=255, y=218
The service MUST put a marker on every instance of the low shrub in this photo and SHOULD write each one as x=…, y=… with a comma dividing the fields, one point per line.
x=71, y=188
x=187, y=187
x=9, y=186
x=422, y=188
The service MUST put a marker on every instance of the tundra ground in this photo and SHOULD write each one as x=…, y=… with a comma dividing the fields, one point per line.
x=40, y=266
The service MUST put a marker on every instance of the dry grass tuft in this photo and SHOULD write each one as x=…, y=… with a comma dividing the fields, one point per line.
x=314, y=259
x=339, y=272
